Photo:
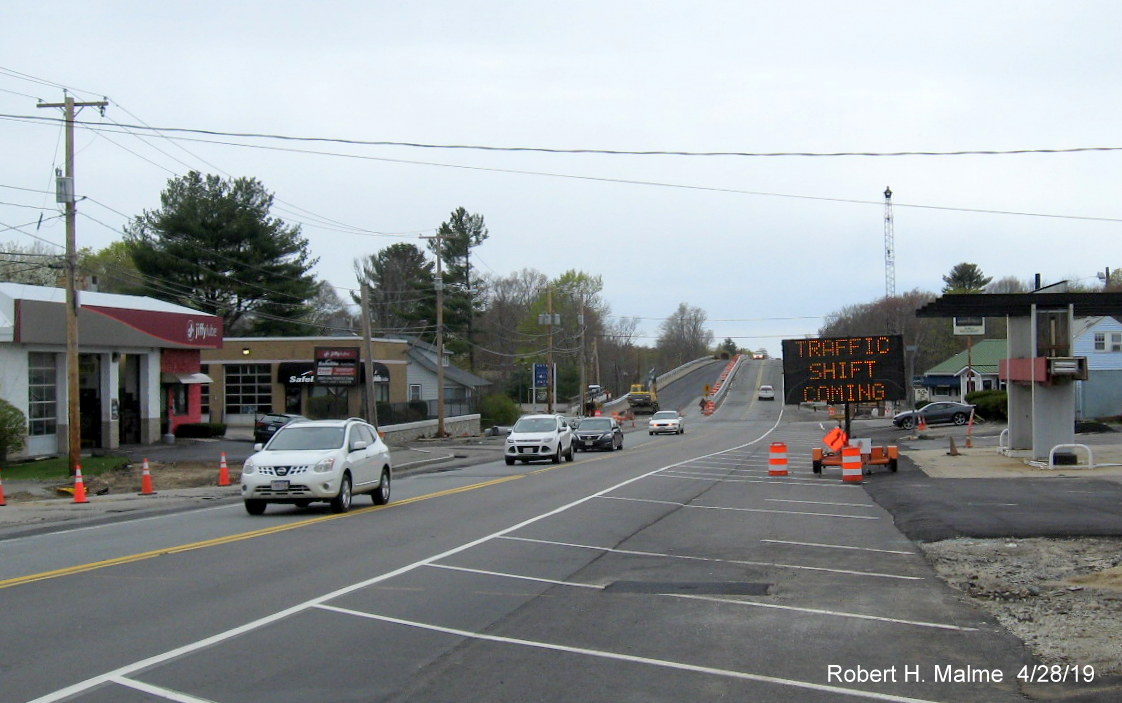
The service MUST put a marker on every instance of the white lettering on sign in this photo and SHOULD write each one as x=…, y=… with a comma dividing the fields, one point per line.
x=201, y=330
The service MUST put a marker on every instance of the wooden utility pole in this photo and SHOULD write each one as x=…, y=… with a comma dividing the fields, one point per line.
x=368, y=352
x=583, y=379
x=65, y=194
x=550, y=381
x=439, y=283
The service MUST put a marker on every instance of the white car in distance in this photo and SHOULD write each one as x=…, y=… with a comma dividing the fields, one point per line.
x=666, y=422
x=318, y=460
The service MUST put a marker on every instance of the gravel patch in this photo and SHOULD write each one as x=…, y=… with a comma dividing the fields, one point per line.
x=1062, y=597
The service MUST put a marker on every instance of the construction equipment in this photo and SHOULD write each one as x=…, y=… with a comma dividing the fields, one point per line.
x=643, y=398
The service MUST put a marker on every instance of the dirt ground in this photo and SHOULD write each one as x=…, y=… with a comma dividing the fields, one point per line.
x=128, y=480
x=1063, y=597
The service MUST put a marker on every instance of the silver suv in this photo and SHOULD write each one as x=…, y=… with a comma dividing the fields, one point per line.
x=318, y=460
x=539, y=437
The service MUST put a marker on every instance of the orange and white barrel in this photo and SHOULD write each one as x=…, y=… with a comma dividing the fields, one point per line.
x=777, y=459
x=851, y=465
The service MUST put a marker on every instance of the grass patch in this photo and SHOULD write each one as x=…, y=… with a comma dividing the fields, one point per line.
x=56, y=469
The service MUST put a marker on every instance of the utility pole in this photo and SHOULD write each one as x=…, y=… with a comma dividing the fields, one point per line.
x=583, y=378
x=368, y=352
x=439, y=284
x=550, y=381
x=66, y=195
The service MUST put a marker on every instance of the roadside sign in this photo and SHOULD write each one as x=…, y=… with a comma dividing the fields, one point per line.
x=844, y=369
x=541, y=375
x=969, y=325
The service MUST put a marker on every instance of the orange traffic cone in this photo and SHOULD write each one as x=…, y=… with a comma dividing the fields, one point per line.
x=79, y=486
x=3, y=501
x=223, y=471
x=922, y=424
x=146, y=480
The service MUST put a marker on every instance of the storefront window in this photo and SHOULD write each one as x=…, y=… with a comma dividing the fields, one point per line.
x=249, y=389
x=42, y=392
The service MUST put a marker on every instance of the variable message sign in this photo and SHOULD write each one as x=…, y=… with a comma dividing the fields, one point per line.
x=838, y=370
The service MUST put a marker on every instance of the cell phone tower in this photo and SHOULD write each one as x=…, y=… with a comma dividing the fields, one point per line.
x=889, y=247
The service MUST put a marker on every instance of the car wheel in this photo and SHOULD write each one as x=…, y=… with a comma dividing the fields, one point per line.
x=255, y=507
x=302, y=503
x=342, y=502
x=959, y=419
x=651, y=434
x=556, y=458
x=509, y=461
x=908, y=423
x=381, y=495
x=619, y=446
x=569, y=456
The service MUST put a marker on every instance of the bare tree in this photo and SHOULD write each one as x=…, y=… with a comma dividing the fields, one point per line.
x=683, y=336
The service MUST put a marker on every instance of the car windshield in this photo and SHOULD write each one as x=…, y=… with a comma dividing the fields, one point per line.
x=290, y=438
x=665, y=415
x=596, y=423
x=536, y=424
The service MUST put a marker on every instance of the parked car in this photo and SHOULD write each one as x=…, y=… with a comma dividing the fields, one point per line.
x=599, y=433
x=539, y=437
x=266, y=425
x=497, y=430
x=318, y=460
x=766, y=392
x=666, y=422
x=933, y=413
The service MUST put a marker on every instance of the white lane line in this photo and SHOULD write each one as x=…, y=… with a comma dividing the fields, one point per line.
x=838, y=546
x=159, y=691
x=79, y=687
x=819, y=611
x=820, y=502
x=775, y=481
x=743, y=510
x=758, y=604
x=599, y=653
x=501, y=574
x=662, y=555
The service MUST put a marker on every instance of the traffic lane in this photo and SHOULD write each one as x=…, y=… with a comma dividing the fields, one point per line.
x=62, y=546
x=929, y=510
x=163, y=602
x=683, y=394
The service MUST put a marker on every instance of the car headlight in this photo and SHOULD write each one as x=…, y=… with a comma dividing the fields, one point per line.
x=606, y=435
x=324, y=465
x=249, y=467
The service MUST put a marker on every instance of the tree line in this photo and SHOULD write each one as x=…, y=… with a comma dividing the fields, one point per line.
x=214, y=245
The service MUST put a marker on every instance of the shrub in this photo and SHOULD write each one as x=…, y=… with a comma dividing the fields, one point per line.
x=13, y=429
x=498, y=410
x=992, y=404
x=195, y=430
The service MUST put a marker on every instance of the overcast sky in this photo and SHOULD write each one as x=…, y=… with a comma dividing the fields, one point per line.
x=766, y=245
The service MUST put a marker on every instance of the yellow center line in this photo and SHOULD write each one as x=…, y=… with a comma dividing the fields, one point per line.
x=218, y=541
x=128, y=559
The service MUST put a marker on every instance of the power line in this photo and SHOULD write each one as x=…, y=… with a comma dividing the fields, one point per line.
x=606, y=152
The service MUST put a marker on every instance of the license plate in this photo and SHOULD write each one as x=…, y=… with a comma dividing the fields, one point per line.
x=280, y=485
x=588, y=442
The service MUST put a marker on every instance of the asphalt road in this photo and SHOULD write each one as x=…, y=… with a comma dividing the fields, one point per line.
x=674, y=570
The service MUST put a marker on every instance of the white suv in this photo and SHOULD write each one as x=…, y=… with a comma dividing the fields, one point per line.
x=318, y=460
x=539, y=437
